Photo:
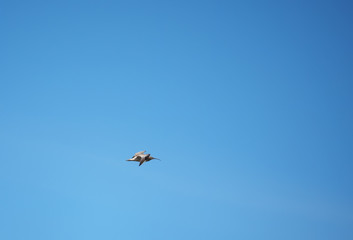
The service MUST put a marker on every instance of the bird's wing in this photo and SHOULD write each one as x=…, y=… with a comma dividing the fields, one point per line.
x=139, y=153
x=136, y=159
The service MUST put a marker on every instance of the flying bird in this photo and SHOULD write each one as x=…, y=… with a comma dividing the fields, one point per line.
x=141, y=157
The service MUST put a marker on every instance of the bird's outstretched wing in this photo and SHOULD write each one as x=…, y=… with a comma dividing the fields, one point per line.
x=136, y=159
x=139, y=153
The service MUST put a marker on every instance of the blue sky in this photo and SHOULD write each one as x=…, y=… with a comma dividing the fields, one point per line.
x=247, y=103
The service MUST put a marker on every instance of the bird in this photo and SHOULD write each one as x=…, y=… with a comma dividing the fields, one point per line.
x=141, y=157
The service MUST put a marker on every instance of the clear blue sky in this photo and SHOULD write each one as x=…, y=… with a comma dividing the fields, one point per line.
x=249, y=104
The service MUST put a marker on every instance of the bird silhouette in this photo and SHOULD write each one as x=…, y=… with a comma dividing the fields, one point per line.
x=141, y=157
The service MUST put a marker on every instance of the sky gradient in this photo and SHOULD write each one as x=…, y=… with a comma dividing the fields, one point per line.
x=249, y=105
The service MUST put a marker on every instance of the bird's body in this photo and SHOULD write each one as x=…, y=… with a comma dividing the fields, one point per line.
x=141, y=157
